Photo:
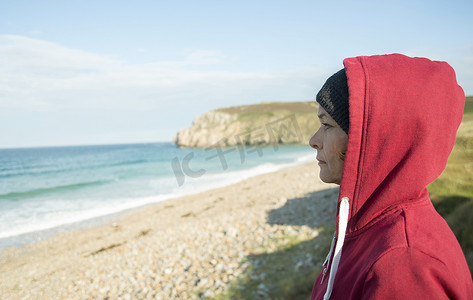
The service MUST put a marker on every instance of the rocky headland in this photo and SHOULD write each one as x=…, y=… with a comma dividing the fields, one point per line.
x=259, y=124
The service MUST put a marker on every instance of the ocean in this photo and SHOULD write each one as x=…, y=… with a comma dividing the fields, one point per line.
x=42, y=189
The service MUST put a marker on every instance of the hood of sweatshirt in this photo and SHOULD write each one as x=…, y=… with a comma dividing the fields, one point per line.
x=404, y=115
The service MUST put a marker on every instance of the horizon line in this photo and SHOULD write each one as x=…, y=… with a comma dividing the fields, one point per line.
x=81, y=145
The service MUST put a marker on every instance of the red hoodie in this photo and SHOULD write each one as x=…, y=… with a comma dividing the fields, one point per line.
x=390, y=242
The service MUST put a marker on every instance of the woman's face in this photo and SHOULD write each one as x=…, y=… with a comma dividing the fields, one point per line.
x=331, y=143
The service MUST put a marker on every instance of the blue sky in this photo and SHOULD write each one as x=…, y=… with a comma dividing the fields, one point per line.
x=101, y=72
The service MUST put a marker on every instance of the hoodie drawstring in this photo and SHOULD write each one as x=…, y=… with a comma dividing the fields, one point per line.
x=342, y=228
x=329, y=255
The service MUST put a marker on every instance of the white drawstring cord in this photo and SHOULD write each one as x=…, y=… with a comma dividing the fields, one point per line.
x=329, y=255
x=342, y=228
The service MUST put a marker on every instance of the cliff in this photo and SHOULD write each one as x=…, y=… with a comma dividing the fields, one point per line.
x=259, y=124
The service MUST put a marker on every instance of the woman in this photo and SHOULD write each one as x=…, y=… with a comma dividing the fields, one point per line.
x=388, y=126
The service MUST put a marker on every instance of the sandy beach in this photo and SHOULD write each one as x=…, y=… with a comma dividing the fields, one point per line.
x=187, y=248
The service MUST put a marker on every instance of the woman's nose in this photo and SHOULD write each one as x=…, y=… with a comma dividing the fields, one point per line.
x=314, y=141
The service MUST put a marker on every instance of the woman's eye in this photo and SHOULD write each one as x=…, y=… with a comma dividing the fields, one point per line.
x=326, y=126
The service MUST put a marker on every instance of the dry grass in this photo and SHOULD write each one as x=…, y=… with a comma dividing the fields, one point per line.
x=268, y=107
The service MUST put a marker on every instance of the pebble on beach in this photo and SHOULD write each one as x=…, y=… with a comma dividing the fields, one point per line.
x=188, y=248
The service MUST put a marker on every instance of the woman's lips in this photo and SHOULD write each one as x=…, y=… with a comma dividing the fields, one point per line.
x=321, y=162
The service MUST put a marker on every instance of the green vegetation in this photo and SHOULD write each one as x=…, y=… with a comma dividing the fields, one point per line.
x=286, y=267
x=293, y=107
x=254, y=116
x=452, y=192
x=287, y=273
x=469, y=105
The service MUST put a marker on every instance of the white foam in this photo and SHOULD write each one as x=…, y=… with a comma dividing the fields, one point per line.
x=94, y=209
x=307, y=158
x=55, y=219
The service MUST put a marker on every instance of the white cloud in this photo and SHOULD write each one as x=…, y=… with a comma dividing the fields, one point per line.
x=39, y=75
x=32, y=53
x=54, y=95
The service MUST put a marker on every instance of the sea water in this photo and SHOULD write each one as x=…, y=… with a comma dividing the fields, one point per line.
x=50, y=187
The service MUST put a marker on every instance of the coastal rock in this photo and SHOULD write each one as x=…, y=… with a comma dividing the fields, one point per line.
x=260, y=124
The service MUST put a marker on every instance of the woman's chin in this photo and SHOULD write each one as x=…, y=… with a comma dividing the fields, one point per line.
x=328, y=179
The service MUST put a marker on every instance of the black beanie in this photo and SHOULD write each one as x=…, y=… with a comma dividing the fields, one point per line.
x=333, y=97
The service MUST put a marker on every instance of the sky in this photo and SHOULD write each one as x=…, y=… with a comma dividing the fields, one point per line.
x=108, y=72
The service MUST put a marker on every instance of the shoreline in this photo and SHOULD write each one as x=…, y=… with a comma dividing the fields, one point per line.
x=158, y=236
x=29, y=238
